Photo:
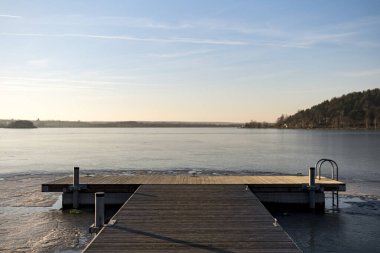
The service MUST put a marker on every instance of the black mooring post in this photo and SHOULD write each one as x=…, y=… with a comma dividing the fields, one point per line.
x=76, y=188
x=312, y=187
x=99, y=209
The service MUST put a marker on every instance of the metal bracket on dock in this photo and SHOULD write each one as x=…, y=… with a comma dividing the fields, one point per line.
x=316, y=187
x=72, y=188
x=94, y=230
x=275, y=223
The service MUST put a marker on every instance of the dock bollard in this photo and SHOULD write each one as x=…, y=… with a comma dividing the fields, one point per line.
x=312, y=187
x=76, y=188
x=99, y=209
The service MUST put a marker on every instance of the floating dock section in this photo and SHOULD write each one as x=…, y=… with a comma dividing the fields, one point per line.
x=271, y=190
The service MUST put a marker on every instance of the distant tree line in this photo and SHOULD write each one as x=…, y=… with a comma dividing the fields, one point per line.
x=130, y=124
x=83, y=124
x=353, y=110
x=256, y=124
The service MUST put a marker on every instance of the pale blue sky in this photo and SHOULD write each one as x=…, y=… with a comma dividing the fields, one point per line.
x=183, y=60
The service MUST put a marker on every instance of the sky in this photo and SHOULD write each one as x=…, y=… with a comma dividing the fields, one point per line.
x=207, y=60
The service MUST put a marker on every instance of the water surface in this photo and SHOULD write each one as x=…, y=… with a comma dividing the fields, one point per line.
x=232, y=149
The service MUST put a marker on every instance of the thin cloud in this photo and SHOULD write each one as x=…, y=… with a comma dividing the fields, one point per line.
x=182, y=54
x=246, y=29
x=38, y=63
x=139, y=22
x=130, y=38
x=353, y=32
x=303, y=42
x=363, y=73
x=68, y=83
x=117, y=21
x=9, y=16
x=55, y=80
x=369, y=21
x=310, y=40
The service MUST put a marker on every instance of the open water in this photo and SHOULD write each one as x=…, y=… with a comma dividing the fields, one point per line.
x=30, y=156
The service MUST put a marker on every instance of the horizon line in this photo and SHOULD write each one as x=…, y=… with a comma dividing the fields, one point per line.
x=153, y=121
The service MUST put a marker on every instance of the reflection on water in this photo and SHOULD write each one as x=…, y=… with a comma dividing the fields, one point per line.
x=28, y=210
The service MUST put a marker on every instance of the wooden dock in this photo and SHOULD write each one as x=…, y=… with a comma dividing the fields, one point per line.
x=192, y=213
x=214, y=214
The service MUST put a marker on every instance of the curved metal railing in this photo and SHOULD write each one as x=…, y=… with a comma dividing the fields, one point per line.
x=334, y=166
x=334, y=176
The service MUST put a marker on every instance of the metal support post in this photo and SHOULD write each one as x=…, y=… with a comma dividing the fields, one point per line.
x=312, y=187
x=99, y=209
x=76, y=188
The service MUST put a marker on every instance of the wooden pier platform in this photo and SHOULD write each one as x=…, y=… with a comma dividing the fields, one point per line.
x=215, y=214
x=273, y=190
x=126, y=183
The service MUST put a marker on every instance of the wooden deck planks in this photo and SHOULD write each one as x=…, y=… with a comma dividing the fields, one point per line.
x=149, y=179
x=193, y=218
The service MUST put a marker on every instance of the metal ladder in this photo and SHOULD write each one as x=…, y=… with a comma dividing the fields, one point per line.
x=334, y=176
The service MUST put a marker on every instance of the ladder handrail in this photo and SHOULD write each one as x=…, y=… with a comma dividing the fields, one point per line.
x=334, y=166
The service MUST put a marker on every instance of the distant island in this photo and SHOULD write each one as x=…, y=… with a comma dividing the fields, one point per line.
x=20, y=124
x=356, y=110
